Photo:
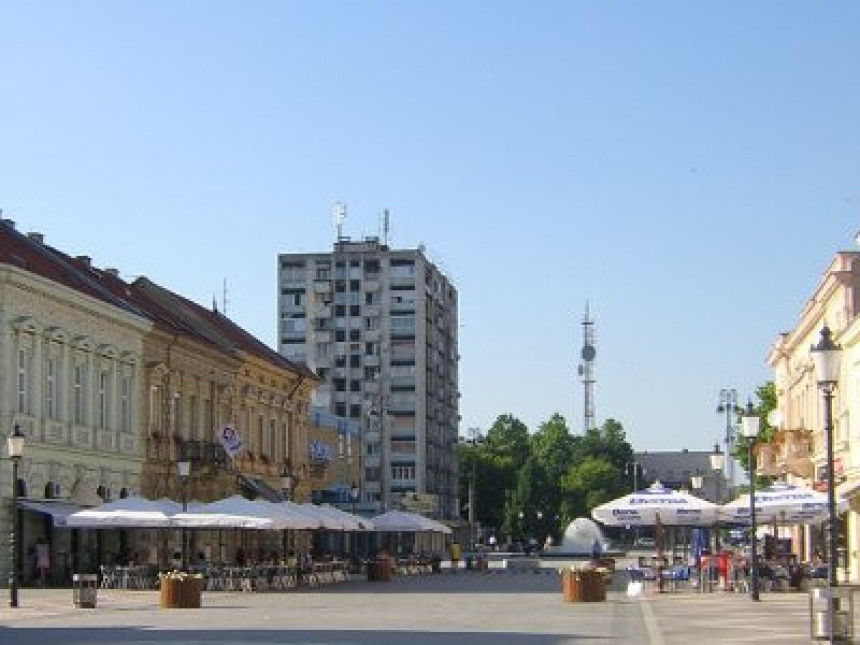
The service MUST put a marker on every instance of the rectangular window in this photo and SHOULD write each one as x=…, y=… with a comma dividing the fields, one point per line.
x=125, y=404
x=51, y=389
x=273, y=440
x=78, y=386
x=193, y=425
x=103, y=412
x=23, y=377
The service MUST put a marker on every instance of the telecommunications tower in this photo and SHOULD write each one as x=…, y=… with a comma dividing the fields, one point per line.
x=586, y=371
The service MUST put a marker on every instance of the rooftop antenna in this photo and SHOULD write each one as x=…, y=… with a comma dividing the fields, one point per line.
x=224, y=298
x=339, y=215
x=386, y=225
x=586, y=370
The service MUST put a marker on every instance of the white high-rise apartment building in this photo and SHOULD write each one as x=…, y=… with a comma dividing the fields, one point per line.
x=380, y=328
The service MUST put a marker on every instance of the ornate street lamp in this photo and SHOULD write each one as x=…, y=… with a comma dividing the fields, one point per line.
x=749, y=427
x=728, y=404
x=15, y=446
x=827, y=358
x=184, y=467
x=718, y=462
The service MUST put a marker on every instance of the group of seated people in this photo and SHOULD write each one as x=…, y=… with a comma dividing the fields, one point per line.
x=732, y=572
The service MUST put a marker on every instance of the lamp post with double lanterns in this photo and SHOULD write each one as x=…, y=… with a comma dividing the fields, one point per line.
x=727, y=404
x=184, y=467
x=287, y=483
x=827, y=358
x=15, y=446
x=718, y=462
x=749, y=427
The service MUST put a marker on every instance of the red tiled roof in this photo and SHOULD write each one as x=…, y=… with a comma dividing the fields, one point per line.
x=142, y=297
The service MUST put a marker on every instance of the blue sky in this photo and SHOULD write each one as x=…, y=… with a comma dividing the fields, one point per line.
x=689, y=168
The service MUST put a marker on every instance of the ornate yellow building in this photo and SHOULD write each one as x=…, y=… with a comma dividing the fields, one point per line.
x=797, y=452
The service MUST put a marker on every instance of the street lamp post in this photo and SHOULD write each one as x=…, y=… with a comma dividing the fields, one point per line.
x=184, y=471
x=728, y=405
x=718, y=461
x=15, y=445
x=286, y=490
x=827, y=357
x=750, y=425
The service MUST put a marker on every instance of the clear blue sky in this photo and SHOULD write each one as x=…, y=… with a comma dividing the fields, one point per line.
x=689, y=168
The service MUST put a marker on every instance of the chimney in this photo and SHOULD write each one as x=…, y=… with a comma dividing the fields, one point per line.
x=86, y=260
x=36, y=237
x=112, y=272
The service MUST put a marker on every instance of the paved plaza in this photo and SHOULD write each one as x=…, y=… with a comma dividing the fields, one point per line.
x=468, y=607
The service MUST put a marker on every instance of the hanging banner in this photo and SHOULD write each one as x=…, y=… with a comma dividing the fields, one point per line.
x=230, y=440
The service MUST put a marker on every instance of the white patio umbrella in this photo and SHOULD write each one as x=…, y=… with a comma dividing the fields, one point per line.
x=358, y=523
x=656, y=504
x=231, y=512
x=782, y=503
x=294, y=515
x=330, y=521
x=432, y=525
x=399, y=521
x=128, y=512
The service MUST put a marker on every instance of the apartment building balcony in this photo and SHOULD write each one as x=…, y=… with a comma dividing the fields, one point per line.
x=322, y=286
x=371, y=360
x=403, y=356
x=323, y=361
x=372, y=335
x=371, y=283
x=400, y=382
x=322, y=335
x=371, y=387
x=371, y=311
x=293, y=335
x=403, y=307
x=397, y=407
x=402, y=281
x=371, y=436
x=321, y=311
x=371, y=461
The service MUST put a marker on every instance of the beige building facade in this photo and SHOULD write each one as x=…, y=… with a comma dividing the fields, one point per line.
x=72, y=380
x=797, y=453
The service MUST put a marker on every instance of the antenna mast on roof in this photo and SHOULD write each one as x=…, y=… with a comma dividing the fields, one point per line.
x=339, y=216
x=386, y=226
x=224, y=298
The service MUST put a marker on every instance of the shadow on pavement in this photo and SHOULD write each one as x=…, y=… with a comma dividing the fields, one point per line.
x=131, y=636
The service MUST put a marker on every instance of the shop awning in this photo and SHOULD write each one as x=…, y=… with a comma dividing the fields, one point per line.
x=59, y=511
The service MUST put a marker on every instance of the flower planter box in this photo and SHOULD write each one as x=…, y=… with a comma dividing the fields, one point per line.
x=586, y=585
x=181, y=591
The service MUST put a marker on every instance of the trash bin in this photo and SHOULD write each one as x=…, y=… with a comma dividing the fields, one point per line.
x=828, y=604
x=583, y=585
x=85, y=590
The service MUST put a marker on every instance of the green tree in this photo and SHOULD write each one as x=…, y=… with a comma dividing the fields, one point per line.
x=765, y=403
x=509, y=437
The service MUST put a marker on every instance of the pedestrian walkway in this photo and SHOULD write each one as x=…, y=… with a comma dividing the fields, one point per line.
x=473, y=608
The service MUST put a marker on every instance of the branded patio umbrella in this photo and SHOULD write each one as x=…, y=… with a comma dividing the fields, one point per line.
x=656, y=505
x=782, y=503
